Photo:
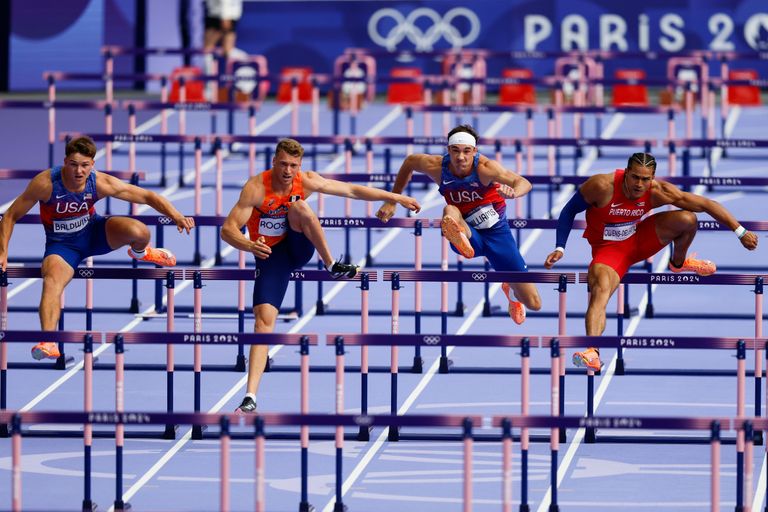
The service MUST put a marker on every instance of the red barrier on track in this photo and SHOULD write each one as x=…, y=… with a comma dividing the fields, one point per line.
x=405, y=92
x=743, y=94
x=517, y=94
x=630, y=94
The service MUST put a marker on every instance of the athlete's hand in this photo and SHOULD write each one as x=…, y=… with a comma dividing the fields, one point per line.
x=506, y=191
x=260, y=249
x=184, y=223
x=749, y=240
x=386, y=212
x=409, y=203
x=553, y=258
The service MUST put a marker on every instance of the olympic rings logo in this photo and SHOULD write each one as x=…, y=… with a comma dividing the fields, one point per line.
x=85, y=272
x=431, y=340
x=424, y=40
x=164, y=220
x=519, y=223
x=479, y=276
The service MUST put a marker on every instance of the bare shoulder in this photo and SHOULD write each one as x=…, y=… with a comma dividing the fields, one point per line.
x=40, y=187
x=253, y=191
x=598, y=189
x=424, y=162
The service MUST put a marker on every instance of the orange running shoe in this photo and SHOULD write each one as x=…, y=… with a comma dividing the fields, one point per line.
x=589, y=359
x=691, y=264
x=162, y=257
x=455, y=234
x=46, y=350
x=516, y=309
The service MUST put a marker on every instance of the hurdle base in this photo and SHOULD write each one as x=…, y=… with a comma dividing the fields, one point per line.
x=63, y=362
x=319, y=307
x=649, y=311
x=89, y=505
x=135, y=305
x=445, y=364
x=170, y=431
x=554, y=508
x=364, y=434
x=306, y=507
x=460, y=308
x=619, y=367
x=197, y=431
x=122, y=505
x=339, y=507
x=240, y=363
x=418, y=365
x=757, y=438
x=589, y=435
x=393, y=434
x=524, y=508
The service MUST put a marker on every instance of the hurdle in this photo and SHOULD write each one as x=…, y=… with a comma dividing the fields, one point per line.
x=709, y=145
x=395, y=277
x=257, y=427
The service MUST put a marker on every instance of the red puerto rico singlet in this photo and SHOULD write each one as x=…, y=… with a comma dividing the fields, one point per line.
x=617, y=221
x=618, y=232
x=270, y=220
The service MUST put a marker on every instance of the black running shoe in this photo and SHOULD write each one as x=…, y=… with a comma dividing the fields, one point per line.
x=340, y=269
x=247, y=406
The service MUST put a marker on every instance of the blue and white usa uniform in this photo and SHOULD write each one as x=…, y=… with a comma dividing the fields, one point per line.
x=73, y=229
x=485, y=212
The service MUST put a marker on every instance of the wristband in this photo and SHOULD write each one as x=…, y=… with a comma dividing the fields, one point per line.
x=740, y=231
x=561, y=250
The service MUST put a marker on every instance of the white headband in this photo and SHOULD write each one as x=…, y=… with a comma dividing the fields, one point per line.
x=462, y=138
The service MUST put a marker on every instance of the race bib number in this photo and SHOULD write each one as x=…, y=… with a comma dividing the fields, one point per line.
x=272, y=226
x=483, y=217
x=619, y=232
x=70, y=225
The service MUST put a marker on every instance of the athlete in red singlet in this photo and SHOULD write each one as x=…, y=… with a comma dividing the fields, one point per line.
x=621, y=233
x=283, y=235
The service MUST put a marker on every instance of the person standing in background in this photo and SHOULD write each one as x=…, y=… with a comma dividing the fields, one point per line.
x=221, y=18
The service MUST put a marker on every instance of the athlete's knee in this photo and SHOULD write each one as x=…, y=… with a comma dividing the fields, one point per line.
x=534, y=302
x=300, y=210
x=688, y=219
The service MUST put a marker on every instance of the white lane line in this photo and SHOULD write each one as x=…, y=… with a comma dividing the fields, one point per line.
x=573, y=446
x=79, y=365
x=384, y=242
x=476, y=311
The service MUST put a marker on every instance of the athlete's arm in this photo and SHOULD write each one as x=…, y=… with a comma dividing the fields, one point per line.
x=670, y=194
x=251, y=196
x=313, y=182
x=420, y=162
x=513, y=185
x=38, y=189
x=109, y=186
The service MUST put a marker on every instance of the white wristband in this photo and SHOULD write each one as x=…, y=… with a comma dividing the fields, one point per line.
x=561, y=250
x=740, y=231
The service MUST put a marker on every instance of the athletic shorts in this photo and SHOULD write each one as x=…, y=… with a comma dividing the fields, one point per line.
x=215, y=23
x=92, y=242
x=273, y=273
x=622, y=255
x=498, y=245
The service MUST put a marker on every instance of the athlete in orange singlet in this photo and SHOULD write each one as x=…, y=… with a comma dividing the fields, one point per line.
x=284, y=233
x=621, y=233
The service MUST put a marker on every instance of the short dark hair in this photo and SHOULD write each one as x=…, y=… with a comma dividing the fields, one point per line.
x=290, y=147
x=465, y=128
x=83, y=145
x=643, y=159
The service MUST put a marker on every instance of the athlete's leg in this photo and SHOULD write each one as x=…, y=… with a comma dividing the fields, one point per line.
x=266, y=315
x=56, y=273
x=457, y=232
x=603, y=281
x=504, y=255
x=302, y=219
x=122, y=231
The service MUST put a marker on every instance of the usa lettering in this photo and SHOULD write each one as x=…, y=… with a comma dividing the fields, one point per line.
x=71, y=207
x=464, y=196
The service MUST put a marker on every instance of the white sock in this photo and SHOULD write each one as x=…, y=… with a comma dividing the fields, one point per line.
x=139, y=254
x=251, y=395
